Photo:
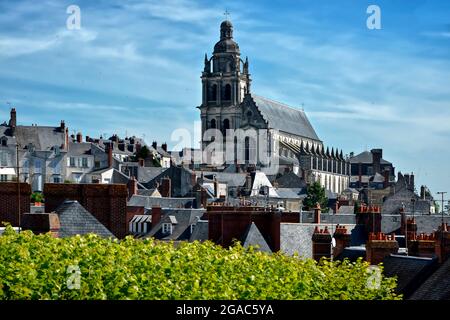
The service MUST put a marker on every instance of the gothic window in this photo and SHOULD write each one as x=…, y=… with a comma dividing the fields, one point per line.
x=226, y=125
x=227, y=92
x=212, y=93
x=213, y=123
x=250, y=150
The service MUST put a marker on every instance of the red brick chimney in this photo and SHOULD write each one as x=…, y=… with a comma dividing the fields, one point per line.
x=379, y=246
x=317, y=211
x=156, y=215
x=66, y=138
x=411, y=228
x=166, y=187
x=216, y=187
x=442, y=245
x=342, y=238
x=79, y=137
x=370, y=217
x=132, y=187
x=321, y=243
x=422, y=245
x=109, y=151
x=41, y=223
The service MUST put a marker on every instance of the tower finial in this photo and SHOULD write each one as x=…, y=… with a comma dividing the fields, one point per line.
x=226, y=14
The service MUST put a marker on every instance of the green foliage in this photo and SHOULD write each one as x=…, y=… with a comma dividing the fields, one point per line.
x=316, y=194
x=68, y=181
x=35, y=267
x=143, y=153
x=37, y=197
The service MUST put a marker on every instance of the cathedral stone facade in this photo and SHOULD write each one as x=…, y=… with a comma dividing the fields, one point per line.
x=285, y=135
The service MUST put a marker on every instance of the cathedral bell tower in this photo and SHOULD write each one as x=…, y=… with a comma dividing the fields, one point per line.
x=225, y=81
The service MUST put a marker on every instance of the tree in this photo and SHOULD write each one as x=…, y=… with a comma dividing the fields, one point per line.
x=315, y=194
x=143, y=153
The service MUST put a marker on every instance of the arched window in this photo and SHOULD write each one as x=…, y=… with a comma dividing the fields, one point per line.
x=250, y=150
x=226, y=126
x=213, y=123
x=212, y=93
x=247, y=149
x=227, y=92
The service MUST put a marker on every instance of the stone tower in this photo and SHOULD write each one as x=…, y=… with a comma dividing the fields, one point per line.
x=225, y=80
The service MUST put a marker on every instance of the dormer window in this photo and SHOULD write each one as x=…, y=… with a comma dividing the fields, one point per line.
x=167, y=228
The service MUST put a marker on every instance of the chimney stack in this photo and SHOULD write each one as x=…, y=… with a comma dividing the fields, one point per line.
x=40, y=223
x=62, y=125
x=342, y=238
x=13, y=121
x=377, y=155
x=79, y=137
x=370, y=217
x=422, y=245
x=164, y=146
x=156, y=215
x=317, y=212
x=216, y=188
x=422, y=192
x=166, y=187
x=321, y=243
x=379, y=246
x=442, y=245
x=154, y=144
x=132, y=187
x=109, y=151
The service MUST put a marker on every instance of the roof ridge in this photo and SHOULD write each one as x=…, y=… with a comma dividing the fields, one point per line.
x=278, y=102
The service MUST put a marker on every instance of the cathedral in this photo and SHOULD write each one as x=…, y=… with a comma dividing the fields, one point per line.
x=286, y=140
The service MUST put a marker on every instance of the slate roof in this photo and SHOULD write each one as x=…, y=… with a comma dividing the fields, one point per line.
x=43, y=138
x=254, y=238
x=181, y=230
x=401, y=197
x=200, y=232
x=290, y=193
x=425, y=223
x=437, y=286
x=411, y=272
x=146, y=174
x=231, y=179
x=290, y=180
x=285, y=118
x=163, y=202
x=78, y=149
x=296, y=237
x=346, y=210
x=75, y=219
x=366, y=157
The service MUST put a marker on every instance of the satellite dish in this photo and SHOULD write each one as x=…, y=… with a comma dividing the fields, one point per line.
x=333, y=242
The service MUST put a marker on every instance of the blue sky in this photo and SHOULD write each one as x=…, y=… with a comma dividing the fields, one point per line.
x=134, y=68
